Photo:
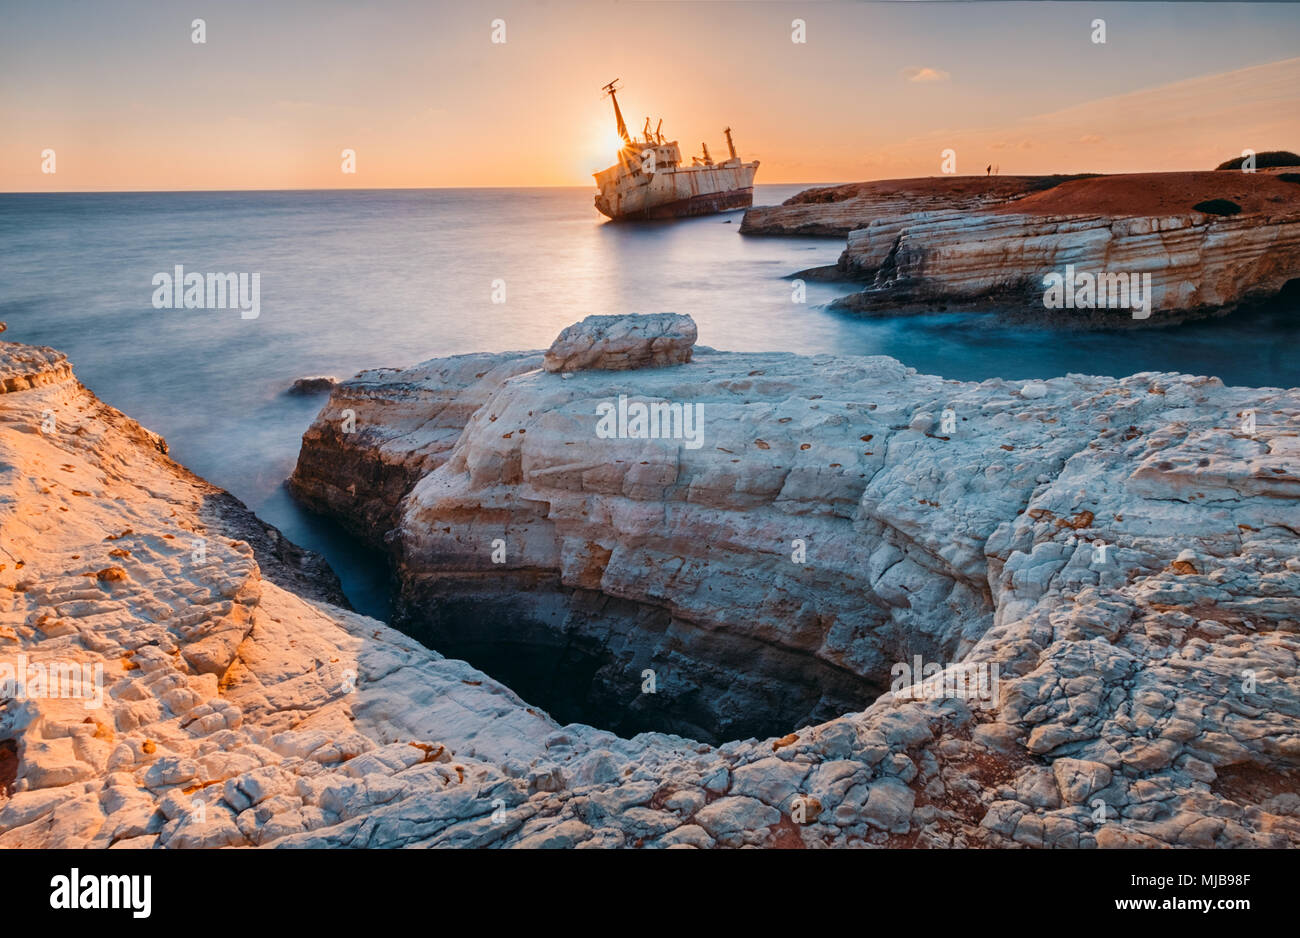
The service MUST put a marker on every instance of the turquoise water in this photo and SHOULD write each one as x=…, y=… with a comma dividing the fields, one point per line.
x=362, y=279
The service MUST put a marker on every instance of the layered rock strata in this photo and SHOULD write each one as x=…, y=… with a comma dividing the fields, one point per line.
x=922, y=249
x=1149, y=697
x=1121, y=554
x=834, y=211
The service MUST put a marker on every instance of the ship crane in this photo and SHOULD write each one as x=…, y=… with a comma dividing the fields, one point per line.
x=654, y=138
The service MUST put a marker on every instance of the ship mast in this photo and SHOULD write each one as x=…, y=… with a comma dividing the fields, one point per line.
x=730, y=146
x=622, y=127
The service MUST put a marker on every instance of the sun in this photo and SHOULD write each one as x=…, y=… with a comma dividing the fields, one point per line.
x=606, y=145
x=600, y=149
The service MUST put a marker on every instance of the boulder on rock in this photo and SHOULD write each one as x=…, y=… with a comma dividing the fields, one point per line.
x=621, y=343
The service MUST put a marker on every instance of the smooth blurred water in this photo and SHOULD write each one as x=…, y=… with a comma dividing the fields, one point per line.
x=361, y=279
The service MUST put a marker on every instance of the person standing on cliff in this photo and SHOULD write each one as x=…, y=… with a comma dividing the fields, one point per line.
x=988, y=169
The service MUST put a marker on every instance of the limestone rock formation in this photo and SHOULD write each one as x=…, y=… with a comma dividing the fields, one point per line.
x=834, y=211
x=164, y=682
x=1119, y=554
x=387, y=429
x=619, y=343
x=923, y=248
x=1197, y=263
x=26, y=366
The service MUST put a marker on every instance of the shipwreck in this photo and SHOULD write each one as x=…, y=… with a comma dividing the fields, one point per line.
x=648, y=180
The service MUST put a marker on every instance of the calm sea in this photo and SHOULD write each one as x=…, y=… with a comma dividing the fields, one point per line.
x=361, y=279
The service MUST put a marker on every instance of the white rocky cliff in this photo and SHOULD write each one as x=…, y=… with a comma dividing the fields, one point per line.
x=1123, y=551
x=920, y=245
x=1146, y=693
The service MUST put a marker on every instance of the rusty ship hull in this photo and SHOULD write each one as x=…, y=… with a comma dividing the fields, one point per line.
x=680, y=194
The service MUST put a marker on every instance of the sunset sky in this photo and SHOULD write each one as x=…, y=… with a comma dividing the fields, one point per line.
x=425, y=98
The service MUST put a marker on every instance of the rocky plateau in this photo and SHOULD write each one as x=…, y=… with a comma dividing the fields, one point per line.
x=1120, y=554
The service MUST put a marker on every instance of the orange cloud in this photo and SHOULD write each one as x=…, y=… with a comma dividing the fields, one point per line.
x=925, y=74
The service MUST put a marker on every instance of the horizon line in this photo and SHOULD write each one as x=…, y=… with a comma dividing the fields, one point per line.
x=809, y=183
x=350, y=188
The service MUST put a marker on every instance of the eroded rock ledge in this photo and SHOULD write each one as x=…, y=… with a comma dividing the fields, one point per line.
x=234, y=706
x=1148, y=691
x=834, y=211
x=238, y=713
x=986, y=243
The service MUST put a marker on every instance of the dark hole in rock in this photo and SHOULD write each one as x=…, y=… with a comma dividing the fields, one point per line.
x=583, y=656
x=1290, y=292
x=8, y=766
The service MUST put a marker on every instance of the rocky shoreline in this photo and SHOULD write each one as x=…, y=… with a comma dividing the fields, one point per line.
x=986, y=243
x=842, y=516
x=1122, y=550
x=237, y=705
